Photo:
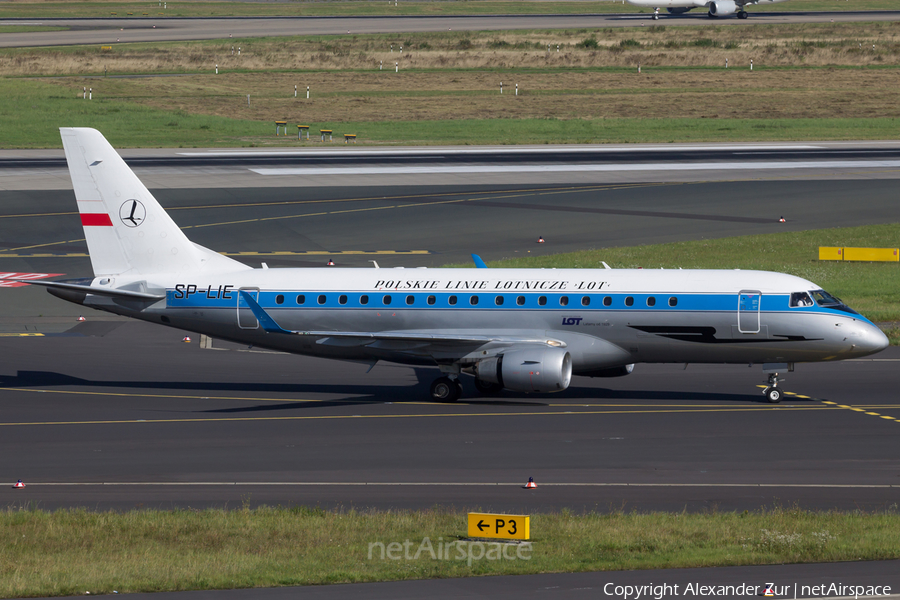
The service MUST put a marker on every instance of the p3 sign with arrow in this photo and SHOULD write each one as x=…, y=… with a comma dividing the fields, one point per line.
x=504, y=527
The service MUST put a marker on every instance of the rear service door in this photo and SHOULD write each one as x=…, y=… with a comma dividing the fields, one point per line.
x=245, y=317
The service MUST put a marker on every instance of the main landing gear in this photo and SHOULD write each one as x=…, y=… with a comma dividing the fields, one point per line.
x=656, y=14
x=743, y=14
x=446, y=389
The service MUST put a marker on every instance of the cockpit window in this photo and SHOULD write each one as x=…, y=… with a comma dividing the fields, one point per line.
x=823, y=298
x=800, y=299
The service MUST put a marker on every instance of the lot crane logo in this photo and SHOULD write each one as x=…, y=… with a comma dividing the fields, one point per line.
x=132, y=213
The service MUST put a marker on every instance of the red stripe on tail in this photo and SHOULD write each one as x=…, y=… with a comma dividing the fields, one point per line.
x=98, y=219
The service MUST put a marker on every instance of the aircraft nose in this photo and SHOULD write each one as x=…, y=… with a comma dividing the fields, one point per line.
x=870, y=339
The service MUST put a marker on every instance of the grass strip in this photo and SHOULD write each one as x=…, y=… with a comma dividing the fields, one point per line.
x=872, y=288
x=128, y=124
x=69, y=552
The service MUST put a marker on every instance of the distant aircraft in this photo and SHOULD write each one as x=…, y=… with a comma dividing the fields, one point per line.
x=715, y=8
x=527, y=330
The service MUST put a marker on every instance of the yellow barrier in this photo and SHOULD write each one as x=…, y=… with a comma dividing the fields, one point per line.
x=872, y=254
x=860, y=254
x=827, y=253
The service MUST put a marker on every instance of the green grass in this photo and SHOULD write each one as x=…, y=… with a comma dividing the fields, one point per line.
x=69, y=552
x=129, y=125
x=871, y=288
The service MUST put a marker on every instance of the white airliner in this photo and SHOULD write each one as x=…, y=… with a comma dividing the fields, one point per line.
x=715, y=8
x=527, y=330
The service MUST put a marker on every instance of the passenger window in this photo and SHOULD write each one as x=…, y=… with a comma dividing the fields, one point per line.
x=386, y=300
x=473, y=300
x=431, y=300
x=451, y=300
x=279, y=299
x=629, y=301
x=520, y=300
x=410, y=299
x=542, y=300
x=363, y=299
x=498, y=300
x=301, y=299
x=607, y=301
x=651, y=301
x=585, y=300
x=342, y=299
x=563, y=300
x=322, y=299
x=673, y=301
x=800, y=299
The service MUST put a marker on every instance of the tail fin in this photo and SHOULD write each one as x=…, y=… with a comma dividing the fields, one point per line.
x=126, y=230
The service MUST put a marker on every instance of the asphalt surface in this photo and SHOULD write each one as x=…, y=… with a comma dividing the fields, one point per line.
x=119, y=414
x=138, y=418
x=697, y=154
x=156, y=28
x=790, y=581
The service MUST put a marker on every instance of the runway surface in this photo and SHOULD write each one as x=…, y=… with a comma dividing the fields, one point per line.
x=137, y=418
x=157, y=28
x=118, y=414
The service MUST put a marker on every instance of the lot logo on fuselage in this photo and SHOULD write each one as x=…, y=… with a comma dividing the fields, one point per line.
x=132, y=213
x=572, y=320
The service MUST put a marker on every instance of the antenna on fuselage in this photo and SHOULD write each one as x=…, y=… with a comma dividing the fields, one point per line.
x=375, y=262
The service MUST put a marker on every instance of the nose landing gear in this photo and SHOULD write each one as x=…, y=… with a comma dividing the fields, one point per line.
x=656, y=14
x=772, y=392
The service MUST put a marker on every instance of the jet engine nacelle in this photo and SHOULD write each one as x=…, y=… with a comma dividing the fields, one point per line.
x=611, y=371
x=530, y=370
x=722, y=7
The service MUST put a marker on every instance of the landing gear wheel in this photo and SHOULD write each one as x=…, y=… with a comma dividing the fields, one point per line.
x=656, y=15
x=487, y=387
x=742, y=14
x=444, y=389
x=773, y=395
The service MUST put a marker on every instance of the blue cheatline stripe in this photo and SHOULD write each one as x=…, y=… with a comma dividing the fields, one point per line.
x=381, y=299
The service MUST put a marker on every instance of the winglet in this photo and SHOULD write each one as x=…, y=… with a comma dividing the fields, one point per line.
x=266, y=322
x=479, y=264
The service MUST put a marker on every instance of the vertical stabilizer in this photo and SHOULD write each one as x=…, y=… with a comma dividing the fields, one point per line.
x=126, y=230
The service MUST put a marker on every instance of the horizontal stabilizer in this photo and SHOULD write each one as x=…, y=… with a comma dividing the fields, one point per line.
x=98, y=291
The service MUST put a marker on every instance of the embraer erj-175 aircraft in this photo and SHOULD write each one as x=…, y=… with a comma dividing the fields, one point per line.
x=715, y=8
x=527, y=330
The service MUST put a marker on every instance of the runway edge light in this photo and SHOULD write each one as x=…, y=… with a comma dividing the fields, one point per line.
x=19, y=485
x=531, y=485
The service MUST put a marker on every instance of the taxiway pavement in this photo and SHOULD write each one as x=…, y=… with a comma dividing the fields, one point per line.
x=159, y=28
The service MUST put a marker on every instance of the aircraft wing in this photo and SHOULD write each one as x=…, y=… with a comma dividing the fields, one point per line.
x=363, y=337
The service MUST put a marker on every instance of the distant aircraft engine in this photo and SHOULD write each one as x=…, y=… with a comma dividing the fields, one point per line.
x=530, y=370
x=678, y=10
x=722, y=7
